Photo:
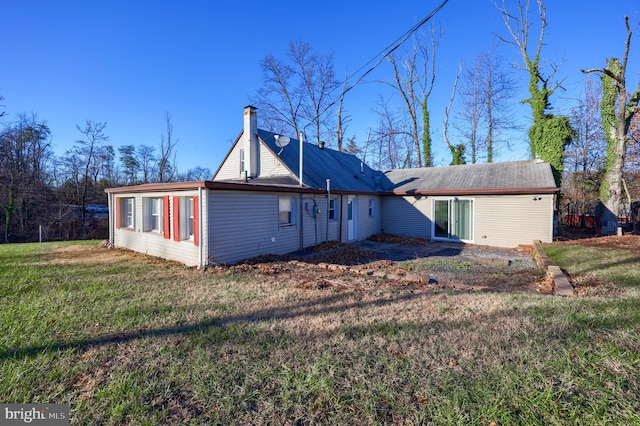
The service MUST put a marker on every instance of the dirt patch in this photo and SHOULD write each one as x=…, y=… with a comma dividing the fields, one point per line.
x=410, y=263
x=388, y=238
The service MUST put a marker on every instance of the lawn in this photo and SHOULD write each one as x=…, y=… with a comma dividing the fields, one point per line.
x=128, y=339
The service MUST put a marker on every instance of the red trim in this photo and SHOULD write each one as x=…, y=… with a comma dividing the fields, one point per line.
x=196, y=221
x=166, y=227
x=118, y=213
x=176, y=218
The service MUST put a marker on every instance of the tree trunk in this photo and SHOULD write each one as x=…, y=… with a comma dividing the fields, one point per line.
x=8, y=213
x=613, y=181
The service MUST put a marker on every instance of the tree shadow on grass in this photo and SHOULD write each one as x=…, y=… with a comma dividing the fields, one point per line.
x=326, y=305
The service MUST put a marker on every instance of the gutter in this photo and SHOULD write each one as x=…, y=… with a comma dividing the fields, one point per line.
x=478, y=191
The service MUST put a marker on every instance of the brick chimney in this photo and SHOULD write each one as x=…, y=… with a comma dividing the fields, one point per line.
x=250, y=140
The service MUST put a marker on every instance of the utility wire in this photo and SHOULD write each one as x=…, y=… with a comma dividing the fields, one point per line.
x=391, y=48
x=383, y=54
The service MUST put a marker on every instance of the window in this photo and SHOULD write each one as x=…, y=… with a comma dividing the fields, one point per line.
x=241, y=162
x=333, y=209
x=188, y=215
x=286, y=211
x=124, y=213
x=153, y=214
x=372, y=208
x=185, y=219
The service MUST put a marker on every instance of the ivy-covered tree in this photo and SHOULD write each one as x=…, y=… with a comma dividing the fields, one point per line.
x=414, y=78
x=549, y=133
x=618, y=110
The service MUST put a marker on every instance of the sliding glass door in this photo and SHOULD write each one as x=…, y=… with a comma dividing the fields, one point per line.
x=453, y=219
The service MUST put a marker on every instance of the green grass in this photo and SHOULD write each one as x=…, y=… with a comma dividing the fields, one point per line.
x=128, y=339
x=618, y=266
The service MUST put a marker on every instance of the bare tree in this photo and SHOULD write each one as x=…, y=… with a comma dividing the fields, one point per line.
x=318, y=83
x=196, y=173
x=586, y=153
x=342, y=120
x=414, y=78
x=2, y=113
x=469, y=119
x=549, y=134
x=166, y=162
x=25, y=150
x=146, y=160
x=487, y=89
x=298, y=91
x=390, y=147
x=618, y=111
x=106, y=165
x=457, y=151
x=498, y=89
x=85, y=151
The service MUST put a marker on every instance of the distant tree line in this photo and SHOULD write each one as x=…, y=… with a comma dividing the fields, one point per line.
x=53, y=196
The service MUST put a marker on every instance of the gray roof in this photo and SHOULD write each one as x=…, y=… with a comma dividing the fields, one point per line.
x=346, y=171
x=509, y=177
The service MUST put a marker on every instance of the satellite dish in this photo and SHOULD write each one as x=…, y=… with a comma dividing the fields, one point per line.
x=281, y=142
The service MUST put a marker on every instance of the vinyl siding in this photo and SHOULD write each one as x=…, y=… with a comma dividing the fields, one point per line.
x=268, y=164
x=407, y=216
x=367, y=225
x=154, y=243
x=230, y=169
x=245, y=224
x=510, y=220
x=315, y=229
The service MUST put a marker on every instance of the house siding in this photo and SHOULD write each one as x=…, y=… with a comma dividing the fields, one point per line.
x=510, y=220
x=154, y=243
x=315, y=229
x=408, y=216
x=230, y=168
x=368, y=225
x=244, y=224
x=268, y=164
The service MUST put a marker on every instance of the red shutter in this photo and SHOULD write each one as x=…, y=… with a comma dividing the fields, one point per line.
x=196, y=222
x=117, y=212
x=165, y=217
x=176, y=218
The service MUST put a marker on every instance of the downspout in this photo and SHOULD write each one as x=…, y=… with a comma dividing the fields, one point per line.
x=328, y=204
x=301, y=157
x=340, y=227
x=112, y=222
x=200, y=231
x=301, y=221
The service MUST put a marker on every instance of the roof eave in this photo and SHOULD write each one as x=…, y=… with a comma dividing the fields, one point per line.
x=156, y=187
x=480, y=191
x=227, y=186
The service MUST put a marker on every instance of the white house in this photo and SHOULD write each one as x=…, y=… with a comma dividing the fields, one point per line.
x=264, y=199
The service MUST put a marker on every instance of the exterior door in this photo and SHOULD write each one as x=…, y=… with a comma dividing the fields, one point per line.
x=453, y=219
x=352, y=218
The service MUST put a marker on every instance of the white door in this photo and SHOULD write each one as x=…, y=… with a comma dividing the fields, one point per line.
x=352, y=218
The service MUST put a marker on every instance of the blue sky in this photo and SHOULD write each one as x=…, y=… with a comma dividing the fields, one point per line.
x=126, y=62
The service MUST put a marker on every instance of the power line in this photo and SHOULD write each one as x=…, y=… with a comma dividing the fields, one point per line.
x=382, y=55
x=390, y=49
